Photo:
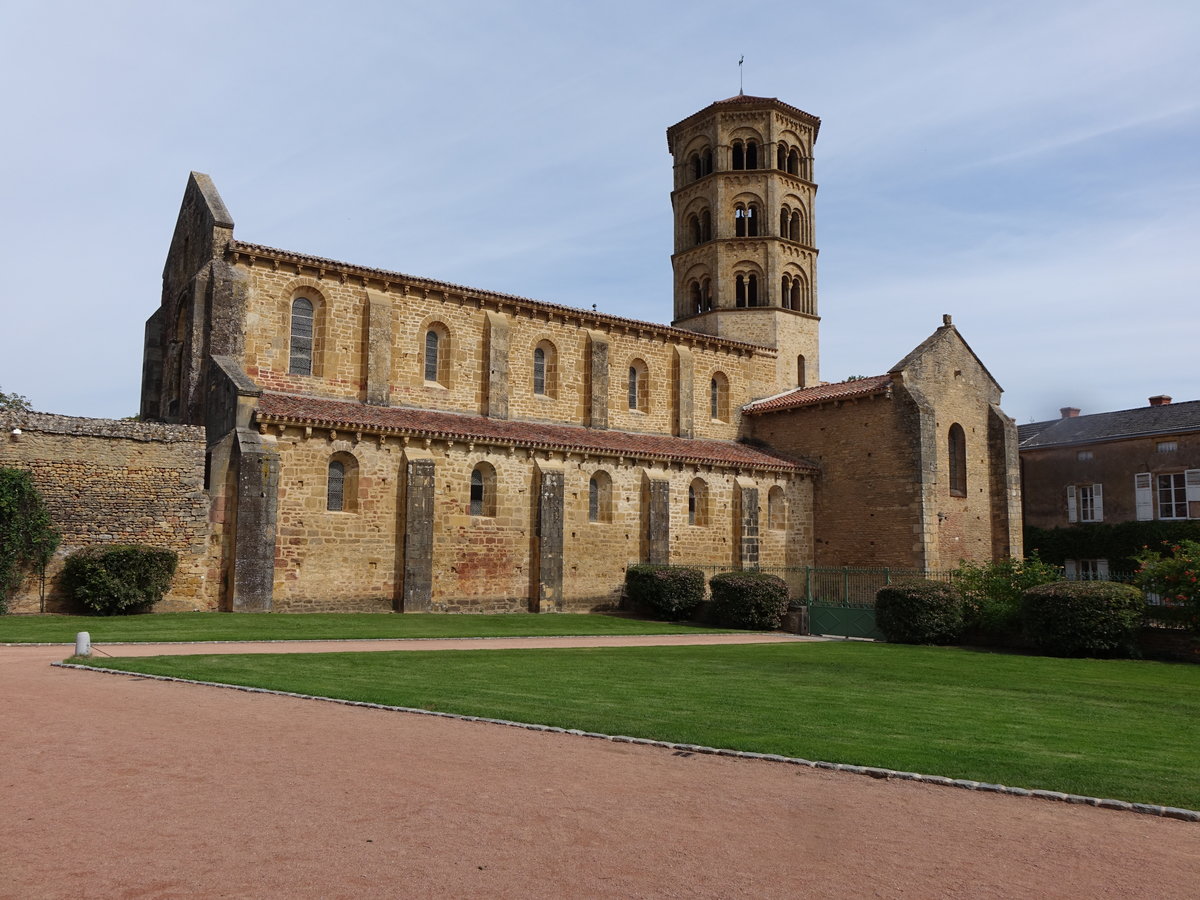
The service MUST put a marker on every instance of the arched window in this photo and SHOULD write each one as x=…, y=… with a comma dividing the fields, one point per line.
x=705, y=226
x=793, y=162
x=784, y=218
x=639, y=398
x=746, y=290
x=300, y=357
x=697, y=298
x=785, y=291
x=539, y=371
x=801, y=375
x=335, y=497
x=957, y=448
x=781, y=157
x=432, y=355
x=341, y=484
x=698, y=502
x=739, y=155
x=600, y=497
x=696, y=166
x=694, y=232
x=483, y=490
x=751, y=155
x=707, y=158
x=706, y=294
x=776, y=509
x=740, y=220
x=545, y=370
x=718, y=397
x=795, y=299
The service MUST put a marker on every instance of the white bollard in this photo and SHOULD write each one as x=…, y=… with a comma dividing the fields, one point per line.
x=83, y=644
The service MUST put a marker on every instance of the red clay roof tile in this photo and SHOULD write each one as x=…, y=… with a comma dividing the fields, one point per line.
x=292, y=408
x=822, y=393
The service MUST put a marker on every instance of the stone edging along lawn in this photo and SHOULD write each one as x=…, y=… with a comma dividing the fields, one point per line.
x=1170, y=812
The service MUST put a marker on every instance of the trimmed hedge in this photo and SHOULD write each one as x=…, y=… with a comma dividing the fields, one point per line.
x=1083, y=618
x=667, y=592
x=748, y=600
x=918, y=611
x=118, y=578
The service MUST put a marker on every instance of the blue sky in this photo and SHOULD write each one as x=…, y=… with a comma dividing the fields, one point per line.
x=1032, y=168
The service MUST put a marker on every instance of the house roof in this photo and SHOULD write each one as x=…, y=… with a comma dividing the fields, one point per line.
x=584, y=315
x=822, y=393
x=1173, y=418
x=276, y=408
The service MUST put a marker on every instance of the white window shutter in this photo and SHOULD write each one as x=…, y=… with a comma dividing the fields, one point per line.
x=1191, y=479
x=1071, y=569
x=1098, y=498
x=1102, y=569
x=1143, y=497
x=1072, y=509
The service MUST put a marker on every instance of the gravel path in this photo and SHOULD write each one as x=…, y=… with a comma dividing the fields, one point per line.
x=120, y=787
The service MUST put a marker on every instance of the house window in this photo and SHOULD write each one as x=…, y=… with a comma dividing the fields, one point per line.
x=1167, y=446
x=1172, y=496
x=483, y=490
x=1085, y=503
x=300, y=358
x=1086, y=569
x=957, y=451
x=600, y=498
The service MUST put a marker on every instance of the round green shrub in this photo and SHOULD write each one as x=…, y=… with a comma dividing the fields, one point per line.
x=666, y=592
x=1083, y=618
x=118, y=578
x=918, y=611
x=748, y=600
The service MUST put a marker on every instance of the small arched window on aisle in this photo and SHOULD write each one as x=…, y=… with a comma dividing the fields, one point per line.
x=483, y=490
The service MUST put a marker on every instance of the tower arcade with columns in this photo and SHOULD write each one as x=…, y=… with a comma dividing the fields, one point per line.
x=745, y=261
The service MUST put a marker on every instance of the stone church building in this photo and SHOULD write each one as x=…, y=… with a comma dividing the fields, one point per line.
x=381, y=441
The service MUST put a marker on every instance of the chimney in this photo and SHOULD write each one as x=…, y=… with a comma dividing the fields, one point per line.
x=1069, y=412
x=1160, y=400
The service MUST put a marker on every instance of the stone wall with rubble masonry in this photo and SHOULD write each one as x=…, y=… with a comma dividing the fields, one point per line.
x=116, y=482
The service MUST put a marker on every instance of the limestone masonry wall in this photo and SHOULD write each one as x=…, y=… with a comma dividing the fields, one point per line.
x=115, y=482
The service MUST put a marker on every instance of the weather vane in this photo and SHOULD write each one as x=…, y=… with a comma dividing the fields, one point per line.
x=741, y=89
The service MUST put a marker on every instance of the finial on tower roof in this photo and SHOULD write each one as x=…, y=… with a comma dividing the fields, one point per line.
x=741, y=92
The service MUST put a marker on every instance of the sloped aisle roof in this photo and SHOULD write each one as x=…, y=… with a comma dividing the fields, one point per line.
x=276, y=408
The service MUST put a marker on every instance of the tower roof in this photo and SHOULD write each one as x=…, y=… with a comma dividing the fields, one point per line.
x=744, y=101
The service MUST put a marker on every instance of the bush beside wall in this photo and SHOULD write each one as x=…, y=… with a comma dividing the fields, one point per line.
x=119, y=578
x=1083, y=618
x=919, y=611
x=748, y=600
x=665, y=592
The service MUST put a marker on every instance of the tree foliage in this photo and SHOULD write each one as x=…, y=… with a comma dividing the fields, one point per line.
x=27, y=538
x=14, y=402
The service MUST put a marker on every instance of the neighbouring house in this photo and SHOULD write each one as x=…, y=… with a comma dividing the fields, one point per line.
x=1138, y=464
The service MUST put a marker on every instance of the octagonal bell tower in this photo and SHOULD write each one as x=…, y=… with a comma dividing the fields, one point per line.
x=745, y=264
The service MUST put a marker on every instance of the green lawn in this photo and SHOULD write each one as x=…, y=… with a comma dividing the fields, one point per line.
x=197, y=626
x=1121, y=729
